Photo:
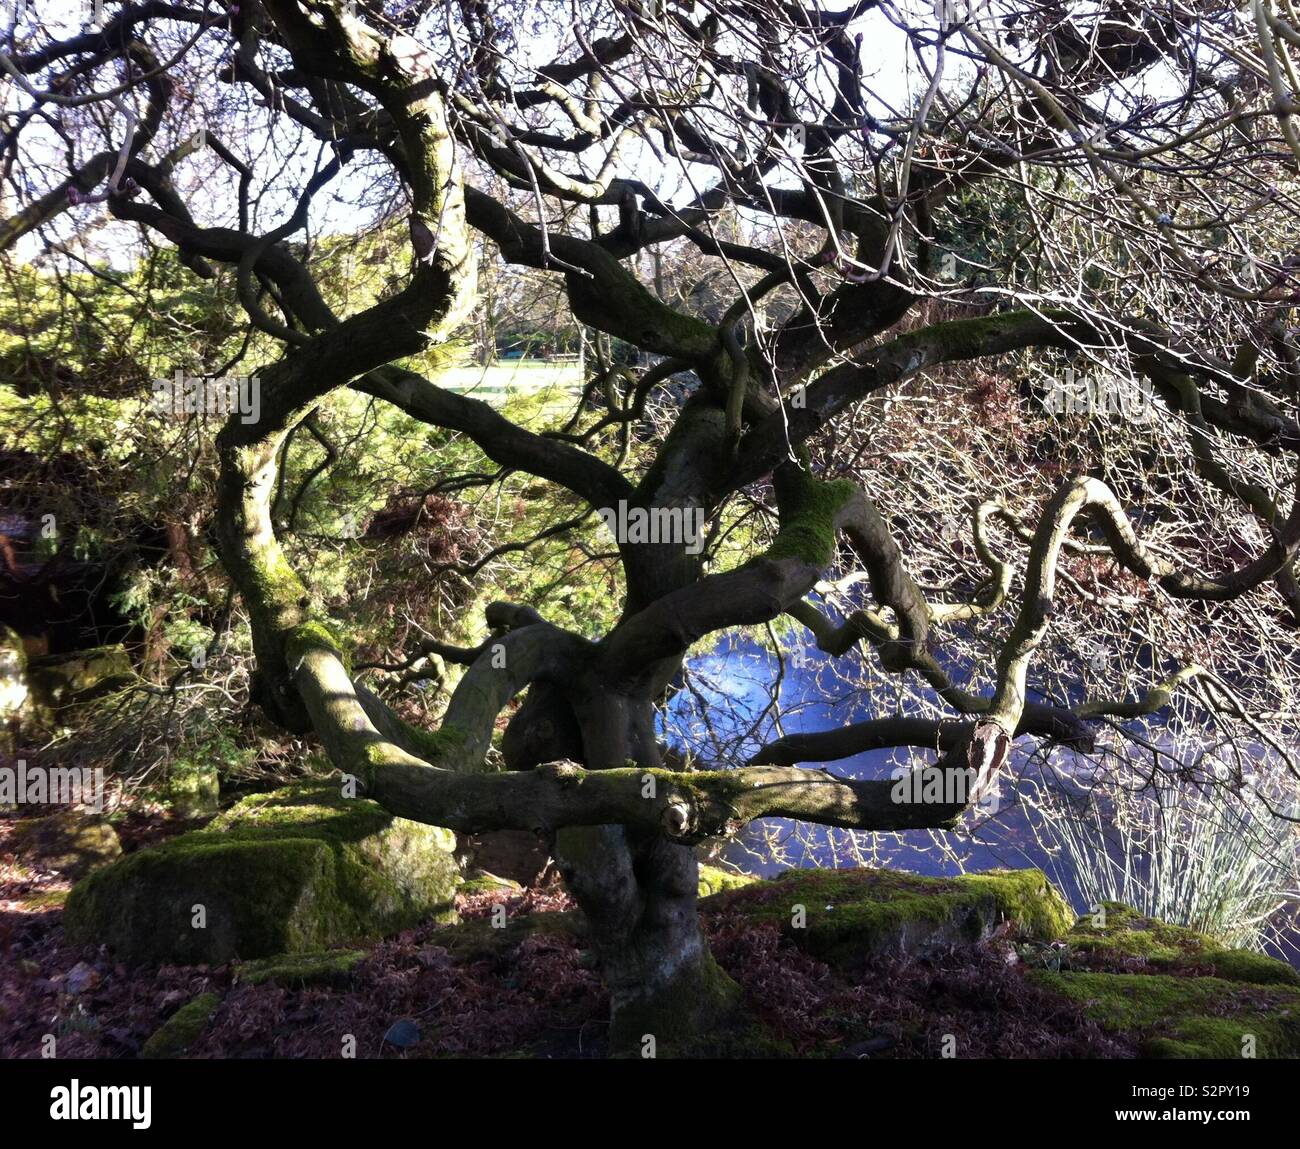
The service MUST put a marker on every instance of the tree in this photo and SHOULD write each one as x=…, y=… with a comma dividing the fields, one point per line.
x=1126, y=172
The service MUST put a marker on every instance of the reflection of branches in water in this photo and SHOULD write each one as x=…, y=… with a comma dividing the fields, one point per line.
x=1183, y=816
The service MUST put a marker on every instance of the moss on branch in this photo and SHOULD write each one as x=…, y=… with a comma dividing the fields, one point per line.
x=809, y=508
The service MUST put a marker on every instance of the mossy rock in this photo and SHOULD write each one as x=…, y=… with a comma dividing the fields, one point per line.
x=182, y=1029
x=482, y=882
x=715, y=881
x=292, y=871
x=1185, y=1017
x=851, y=915
x=480, y=940
x=1121, y=936
x=193, y=793
x=58, y=680
x=294, y=971
x=70, y=842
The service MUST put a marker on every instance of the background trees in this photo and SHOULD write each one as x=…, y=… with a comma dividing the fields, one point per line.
x=853, y=249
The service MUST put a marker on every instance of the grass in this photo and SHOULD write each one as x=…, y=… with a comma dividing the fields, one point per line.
x=1218, y=864
x=512, y=375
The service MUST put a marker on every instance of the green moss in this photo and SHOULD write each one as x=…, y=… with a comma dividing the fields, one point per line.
x=309, y=636
x=194, y=792
x=434, y=744
x=1129, y=939
x=294, y=870
x=71, y=842
x=1257, y=969
x=1202, y=1017
x=849, y=915
x=182, y=1029
x=1025, y=897
x=695, y=1015
x=808, y=508
x=326, y=967
x=715, y=881
x=480, y=940
x=484, y=883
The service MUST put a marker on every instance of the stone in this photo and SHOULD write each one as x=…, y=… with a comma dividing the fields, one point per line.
x=180, y=1031
x=1185, y=1017
x=1121, y=937
x=517, y=855
x=294, y=971
x=81, y=977
x=292, y=871
x=57, y=681
x=403, y=1033
x=70, y=842
x=195, y=792
x=851, y=915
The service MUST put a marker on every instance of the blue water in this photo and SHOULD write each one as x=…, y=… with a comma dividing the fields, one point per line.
x=729, y=701
x=727, y=709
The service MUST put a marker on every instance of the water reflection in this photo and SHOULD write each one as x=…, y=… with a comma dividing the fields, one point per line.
x=729, y=705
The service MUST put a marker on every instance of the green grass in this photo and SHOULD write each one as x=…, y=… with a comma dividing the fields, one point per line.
x=512, y=375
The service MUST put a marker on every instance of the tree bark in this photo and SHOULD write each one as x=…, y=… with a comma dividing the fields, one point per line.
x=638, y=890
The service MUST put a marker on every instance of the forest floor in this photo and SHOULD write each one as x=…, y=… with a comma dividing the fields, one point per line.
x=531, y=990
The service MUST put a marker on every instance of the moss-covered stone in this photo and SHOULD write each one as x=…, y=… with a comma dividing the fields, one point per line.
x=850, y=915
x=1122, y=937
x=1195, y=1017
x=481, y=940
x=70, y=842
x=194, y=792
x=293, y=971
x=482, y=882
x=59, y=680
x=715, y=881
x=182, y=1029
x=296, y=870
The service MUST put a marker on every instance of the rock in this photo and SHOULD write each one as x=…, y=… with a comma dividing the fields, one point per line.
x=294, y=971
x=182, y=1029
x=298, y=870
x=1120, y=937
x=60, y=680
x=517, y=855
x=70, y=842
x=403, y=1033
x=851, y=915
x=1186, y=1017
x=480, y=940
x=193, y=793
x=81, y=977
x=714, y=880
x=481, y=882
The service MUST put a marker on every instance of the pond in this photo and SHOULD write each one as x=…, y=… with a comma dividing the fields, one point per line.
x=727, y=701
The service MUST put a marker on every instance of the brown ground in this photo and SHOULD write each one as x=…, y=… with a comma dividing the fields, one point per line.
x=523, y=991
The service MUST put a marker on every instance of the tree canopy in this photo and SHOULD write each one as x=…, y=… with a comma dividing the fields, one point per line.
x=986, y=309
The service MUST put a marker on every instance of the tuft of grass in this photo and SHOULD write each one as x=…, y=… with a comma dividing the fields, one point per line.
x=1221, y=865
